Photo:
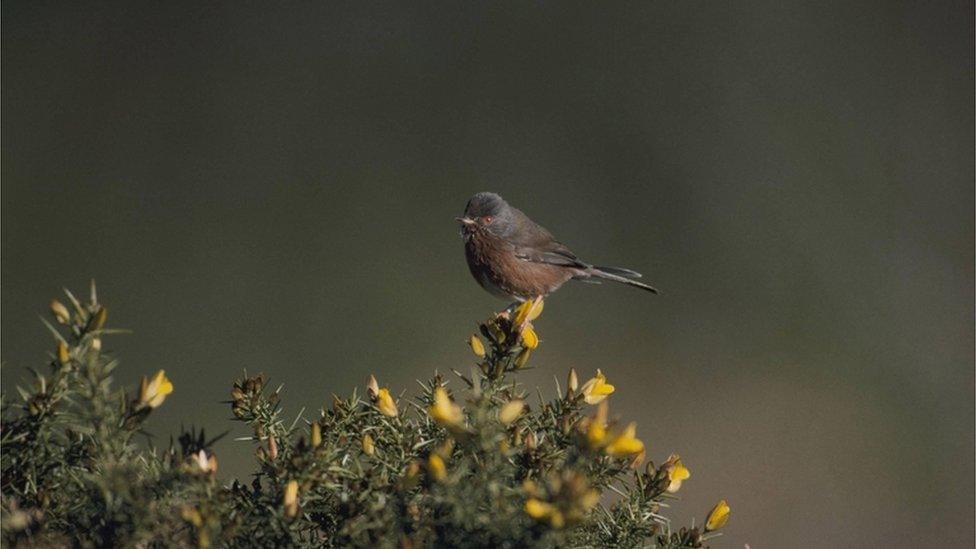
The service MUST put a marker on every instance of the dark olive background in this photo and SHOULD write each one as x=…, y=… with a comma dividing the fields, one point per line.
x=273, y=189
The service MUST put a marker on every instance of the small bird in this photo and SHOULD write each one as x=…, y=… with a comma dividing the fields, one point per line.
x=514, y=258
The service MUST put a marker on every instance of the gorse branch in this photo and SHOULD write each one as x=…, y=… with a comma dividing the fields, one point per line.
x=474, y=463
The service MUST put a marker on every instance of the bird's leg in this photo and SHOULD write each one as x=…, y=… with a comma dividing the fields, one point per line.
x=506, y=313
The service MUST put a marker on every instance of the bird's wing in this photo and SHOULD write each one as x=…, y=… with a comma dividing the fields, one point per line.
x=534, y=243
x=558, y=255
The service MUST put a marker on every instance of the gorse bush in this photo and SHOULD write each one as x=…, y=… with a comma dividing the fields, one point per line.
x=477, y=462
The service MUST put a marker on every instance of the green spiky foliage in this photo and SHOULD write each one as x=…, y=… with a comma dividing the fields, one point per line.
x=474, y=462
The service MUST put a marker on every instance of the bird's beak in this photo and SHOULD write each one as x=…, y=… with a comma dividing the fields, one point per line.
x=464, y=220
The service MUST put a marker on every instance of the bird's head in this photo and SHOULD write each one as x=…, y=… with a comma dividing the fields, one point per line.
x=485, y=212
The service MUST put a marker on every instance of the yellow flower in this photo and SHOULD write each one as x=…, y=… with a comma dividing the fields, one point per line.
x=60, y=312
x=596, y=389
x=677, y=472
x=511, y=411
x=537, y=509
x=369, y=448
x=528, y=311
x=625, y=443
x=718, y=517
x=153, y=393
x=444, y=411
x=544, y=512
x=596, y=431
x=616, y=444
x=556, y=519
x=385, y=403
x=477, y=346
x=436, y=468
x=290, y=499
x=529, y=338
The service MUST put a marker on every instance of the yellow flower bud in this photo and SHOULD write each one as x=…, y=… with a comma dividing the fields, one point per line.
x=511, y=411
x=372, y=386
x=96, y=344
x=369, y=448
x=529, y=338
x=60, y=312
x=572, y=382
x=523, y=358
x=409, y=479
x=290, y=499
x=204, y=463
x=543, y=511
x=153, y=393
x=477, y=346
x=63, y=355
x=718, y=517
x=444, y=411
x=100, y=317
x=436, y=468
x=385, y=404
x=538, y=509
x=596, y=389
x=316, y=435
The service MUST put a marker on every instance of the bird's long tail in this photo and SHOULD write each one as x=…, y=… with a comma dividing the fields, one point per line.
x=623, y=276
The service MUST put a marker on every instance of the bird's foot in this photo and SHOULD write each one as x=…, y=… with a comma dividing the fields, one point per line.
x=508, y=312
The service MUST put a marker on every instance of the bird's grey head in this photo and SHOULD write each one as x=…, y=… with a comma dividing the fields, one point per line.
x=486, y=211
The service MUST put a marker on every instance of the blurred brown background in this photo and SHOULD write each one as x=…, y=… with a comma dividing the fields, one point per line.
x=273, y=189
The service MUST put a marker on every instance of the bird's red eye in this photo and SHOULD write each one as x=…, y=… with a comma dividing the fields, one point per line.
x=487, y=219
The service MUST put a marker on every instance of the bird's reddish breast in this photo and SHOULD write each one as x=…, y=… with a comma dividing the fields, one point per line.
x=493, y=263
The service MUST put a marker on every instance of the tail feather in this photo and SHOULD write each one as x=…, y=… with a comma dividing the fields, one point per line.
x=611, y=273
x=619, y=271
